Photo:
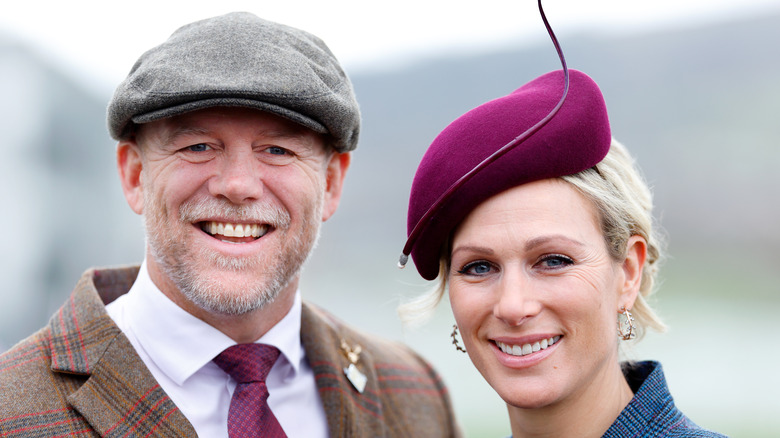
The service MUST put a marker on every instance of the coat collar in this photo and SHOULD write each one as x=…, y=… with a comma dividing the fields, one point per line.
x=119, y=397
x=349, y=412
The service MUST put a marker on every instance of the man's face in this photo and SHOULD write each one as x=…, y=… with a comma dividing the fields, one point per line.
x=232, y=200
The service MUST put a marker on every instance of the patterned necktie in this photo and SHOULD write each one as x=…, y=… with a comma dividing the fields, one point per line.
x=249, y=414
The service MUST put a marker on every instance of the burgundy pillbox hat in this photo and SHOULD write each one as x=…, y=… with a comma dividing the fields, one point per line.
x=576, y=138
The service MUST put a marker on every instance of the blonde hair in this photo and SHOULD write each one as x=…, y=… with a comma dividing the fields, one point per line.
x=624, y=203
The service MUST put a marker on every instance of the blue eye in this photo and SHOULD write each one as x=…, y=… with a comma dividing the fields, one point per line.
x=555, y=261
x=276, y=150
x=200, y=147
x=476, y=268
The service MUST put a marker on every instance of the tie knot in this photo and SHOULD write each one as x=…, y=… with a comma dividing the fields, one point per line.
x=248, y=362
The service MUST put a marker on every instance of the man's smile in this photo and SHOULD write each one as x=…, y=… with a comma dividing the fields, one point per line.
x=234, y=232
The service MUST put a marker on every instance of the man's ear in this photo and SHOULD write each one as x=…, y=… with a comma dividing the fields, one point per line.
x=129, y=162
x=633, y=266
x=334, y=182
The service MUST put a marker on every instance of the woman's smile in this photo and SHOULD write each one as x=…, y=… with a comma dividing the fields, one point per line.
x=528, y=348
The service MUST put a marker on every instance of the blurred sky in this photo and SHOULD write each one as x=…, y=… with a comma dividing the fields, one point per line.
x=99, y=41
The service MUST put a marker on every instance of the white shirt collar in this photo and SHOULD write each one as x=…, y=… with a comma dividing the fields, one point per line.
x=181, y=344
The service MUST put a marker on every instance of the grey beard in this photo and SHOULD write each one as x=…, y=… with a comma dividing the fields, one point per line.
x=212, y=297
x=208, y=294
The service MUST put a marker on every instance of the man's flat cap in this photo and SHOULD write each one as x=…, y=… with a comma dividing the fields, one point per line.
x=240, y=60
x=576, y=138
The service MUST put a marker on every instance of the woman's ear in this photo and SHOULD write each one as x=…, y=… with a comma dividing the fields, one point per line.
x=633, y=266
x=130, y=164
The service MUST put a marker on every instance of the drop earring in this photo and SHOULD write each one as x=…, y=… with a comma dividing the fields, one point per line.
x=626, y=330
x=454, y=336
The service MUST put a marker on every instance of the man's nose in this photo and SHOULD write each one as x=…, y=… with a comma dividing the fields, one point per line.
x=239, y=177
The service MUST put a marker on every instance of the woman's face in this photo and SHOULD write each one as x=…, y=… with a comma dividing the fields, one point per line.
x=536, y=294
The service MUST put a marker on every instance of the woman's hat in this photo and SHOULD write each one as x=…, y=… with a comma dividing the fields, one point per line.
x=575, y=138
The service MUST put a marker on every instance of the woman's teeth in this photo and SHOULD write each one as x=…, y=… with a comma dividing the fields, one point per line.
x=522, y=350
x=235, y=230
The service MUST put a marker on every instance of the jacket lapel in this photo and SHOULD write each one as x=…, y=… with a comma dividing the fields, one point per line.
x=349, y=413
x=119, y=397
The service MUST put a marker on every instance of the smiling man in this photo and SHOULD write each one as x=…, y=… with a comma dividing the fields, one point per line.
x=234, y=138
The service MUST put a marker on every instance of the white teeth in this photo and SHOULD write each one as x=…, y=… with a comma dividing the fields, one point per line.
x=522, y=350
x=236, y=230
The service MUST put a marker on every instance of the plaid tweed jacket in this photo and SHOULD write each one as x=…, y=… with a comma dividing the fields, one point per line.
x=80, y=376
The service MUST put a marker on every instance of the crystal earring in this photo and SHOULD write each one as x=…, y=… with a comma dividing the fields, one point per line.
x=626, y=329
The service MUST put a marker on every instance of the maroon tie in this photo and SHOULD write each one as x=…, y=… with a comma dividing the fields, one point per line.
x=249, y=414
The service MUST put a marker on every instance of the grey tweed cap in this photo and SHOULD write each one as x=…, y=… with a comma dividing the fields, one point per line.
x=241, y=60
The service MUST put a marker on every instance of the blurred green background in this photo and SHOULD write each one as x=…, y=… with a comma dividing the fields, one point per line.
x=696, y=104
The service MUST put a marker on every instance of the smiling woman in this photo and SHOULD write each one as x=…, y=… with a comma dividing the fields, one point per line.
x=544, y=274
x=548, y=254
x=546, y=245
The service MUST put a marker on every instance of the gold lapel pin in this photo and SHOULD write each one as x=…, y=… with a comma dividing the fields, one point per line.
x=353, y=374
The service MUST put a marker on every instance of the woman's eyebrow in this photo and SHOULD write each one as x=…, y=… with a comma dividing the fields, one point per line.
x=541, y=240
x=529, y=245
x=473, y=248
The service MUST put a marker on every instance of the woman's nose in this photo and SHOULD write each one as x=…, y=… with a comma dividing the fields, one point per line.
x=517, y=300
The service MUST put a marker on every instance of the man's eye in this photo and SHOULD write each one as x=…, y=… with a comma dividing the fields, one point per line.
x=476, y=268
x=276, y=150
x=200, y=147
